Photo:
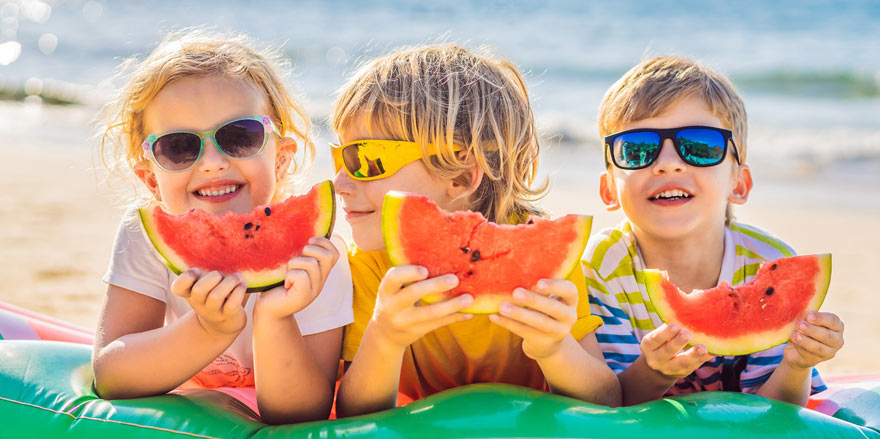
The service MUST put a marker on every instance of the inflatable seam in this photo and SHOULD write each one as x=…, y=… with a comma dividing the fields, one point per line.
x=111, y=421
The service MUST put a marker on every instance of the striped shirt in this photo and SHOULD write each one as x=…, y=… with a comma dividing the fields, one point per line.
x=613, y=268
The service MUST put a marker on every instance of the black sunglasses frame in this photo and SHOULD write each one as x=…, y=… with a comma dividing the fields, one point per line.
x=671, y=133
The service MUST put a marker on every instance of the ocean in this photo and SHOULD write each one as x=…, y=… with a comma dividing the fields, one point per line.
x=808, y=70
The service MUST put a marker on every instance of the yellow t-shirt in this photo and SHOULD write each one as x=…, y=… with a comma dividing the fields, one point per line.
x=473, y=351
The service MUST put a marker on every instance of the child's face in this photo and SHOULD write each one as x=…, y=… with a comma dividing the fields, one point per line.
x=650, y=197
x=362, y=200
x=203, y=103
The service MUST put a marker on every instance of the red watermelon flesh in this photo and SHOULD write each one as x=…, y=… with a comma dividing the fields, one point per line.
x=490, y=260
x=256, y=244
x=749, y=317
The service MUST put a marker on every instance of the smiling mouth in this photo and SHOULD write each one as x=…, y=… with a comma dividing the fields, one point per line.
x=671, y=195
x=217, y=191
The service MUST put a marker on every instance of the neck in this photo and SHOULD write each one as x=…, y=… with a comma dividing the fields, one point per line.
x=692, y=263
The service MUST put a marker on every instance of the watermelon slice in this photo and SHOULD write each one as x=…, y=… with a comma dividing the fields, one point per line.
x=257, y=244
x=490, y=260
x=750, y=317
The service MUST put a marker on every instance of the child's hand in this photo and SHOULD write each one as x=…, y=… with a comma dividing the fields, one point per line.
x=398, y=320
x=543, y=318
x=218, y=300
x=305, y=278
x=661, y=349
x=817, y=338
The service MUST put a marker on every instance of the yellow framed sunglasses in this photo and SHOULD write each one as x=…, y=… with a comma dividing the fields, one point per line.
x=372, y=159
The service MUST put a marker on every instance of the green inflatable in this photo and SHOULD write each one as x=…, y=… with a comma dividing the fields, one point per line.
x=45, y=391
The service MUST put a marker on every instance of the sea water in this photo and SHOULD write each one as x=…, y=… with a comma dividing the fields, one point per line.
x=808, y=70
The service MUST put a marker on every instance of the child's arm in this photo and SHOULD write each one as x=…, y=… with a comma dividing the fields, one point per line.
x=572, y=368
x=661, y=364
x=371, y=382
x=295, y=375
x=135, y=355
x=816, y=339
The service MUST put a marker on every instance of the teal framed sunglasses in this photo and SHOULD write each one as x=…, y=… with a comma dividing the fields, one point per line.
x=239, y=139
x=700, y=146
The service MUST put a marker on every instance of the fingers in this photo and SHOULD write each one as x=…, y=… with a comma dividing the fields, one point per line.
x=397, y=277
x=324, y=252
x=560, y=288
x=821, y=334
x=445, y=308
x=310, y=266
x=216, y=296
x=433, y=324
x=236, y=300
x=544, y=321
x=812, y=350
x=825, y=319
x=298, y=279
x=182, y=285
x=543, y=306
x=665, y=341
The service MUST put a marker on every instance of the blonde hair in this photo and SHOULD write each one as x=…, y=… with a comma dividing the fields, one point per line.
x=195, y=52
x=443, y=95
x=652, y=86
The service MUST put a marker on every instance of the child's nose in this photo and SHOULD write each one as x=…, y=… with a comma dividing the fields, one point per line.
x=668, y=161
x=342, y=183
x=212, y=159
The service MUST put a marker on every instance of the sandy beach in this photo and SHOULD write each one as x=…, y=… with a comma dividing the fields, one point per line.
x=59, y=217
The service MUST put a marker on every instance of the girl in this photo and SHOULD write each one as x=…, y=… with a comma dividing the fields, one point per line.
x=158, y=330
x=468, y=142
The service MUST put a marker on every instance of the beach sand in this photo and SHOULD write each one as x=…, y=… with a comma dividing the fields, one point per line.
x=59, y=218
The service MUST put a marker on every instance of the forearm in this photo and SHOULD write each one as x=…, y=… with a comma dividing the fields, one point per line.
x=787, y=383
x=372, y=380
x=290, y=385
x=156, y=361
x=639, y=383
x=572, y=371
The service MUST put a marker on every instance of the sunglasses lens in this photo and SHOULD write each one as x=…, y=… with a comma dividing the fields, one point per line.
x=636, y=150
x=701, y=147
x=177, y=151
x=241, y=139
x=359, y=165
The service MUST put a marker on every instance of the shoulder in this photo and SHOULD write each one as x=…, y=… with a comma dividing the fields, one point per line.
x=756, y=243
x=608, y=248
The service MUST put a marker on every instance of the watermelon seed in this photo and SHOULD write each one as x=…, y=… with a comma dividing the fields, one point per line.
x=268, y=211
x=475, y=256
x=258, y=228
x=769, y=291
x=248, y=226
x=773, y=267
x=465, y=250
x=531, y=221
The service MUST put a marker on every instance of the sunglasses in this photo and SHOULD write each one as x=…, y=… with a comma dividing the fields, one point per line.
x=697, y=145
x=367, y=160
x=239, y=139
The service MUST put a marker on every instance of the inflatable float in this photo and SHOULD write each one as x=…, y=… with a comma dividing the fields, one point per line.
x=46, y=391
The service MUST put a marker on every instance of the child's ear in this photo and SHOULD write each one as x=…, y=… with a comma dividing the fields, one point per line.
x=743, y=185
x=286, y=149
x=466, y=183
x=146, y=175
x=608, y=191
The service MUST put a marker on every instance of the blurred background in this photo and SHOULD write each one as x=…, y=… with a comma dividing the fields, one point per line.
x=808, y=70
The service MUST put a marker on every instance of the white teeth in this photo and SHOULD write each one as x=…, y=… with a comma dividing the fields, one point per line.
x=216, y=192
x=672, y=194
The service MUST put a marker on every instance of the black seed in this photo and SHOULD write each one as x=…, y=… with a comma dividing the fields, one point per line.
x=257, y=228
x=465, y=250
x=769, y=291
x=470, y=273
x=248, y=226
x=773, y=267
x=268, y=211
x=475, y=256
x=531, y=221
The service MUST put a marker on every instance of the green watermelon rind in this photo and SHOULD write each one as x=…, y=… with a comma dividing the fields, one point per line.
x=484, y=303
x=257, y=281
x=746, y=344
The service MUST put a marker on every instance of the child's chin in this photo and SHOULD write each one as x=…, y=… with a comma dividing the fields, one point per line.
x=368, y=242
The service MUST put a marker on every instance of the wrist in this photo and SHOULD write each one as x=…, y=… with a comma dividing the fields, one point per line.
x=553, y=352
x=212, y=331
x=657, y=377
x=381, y=342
